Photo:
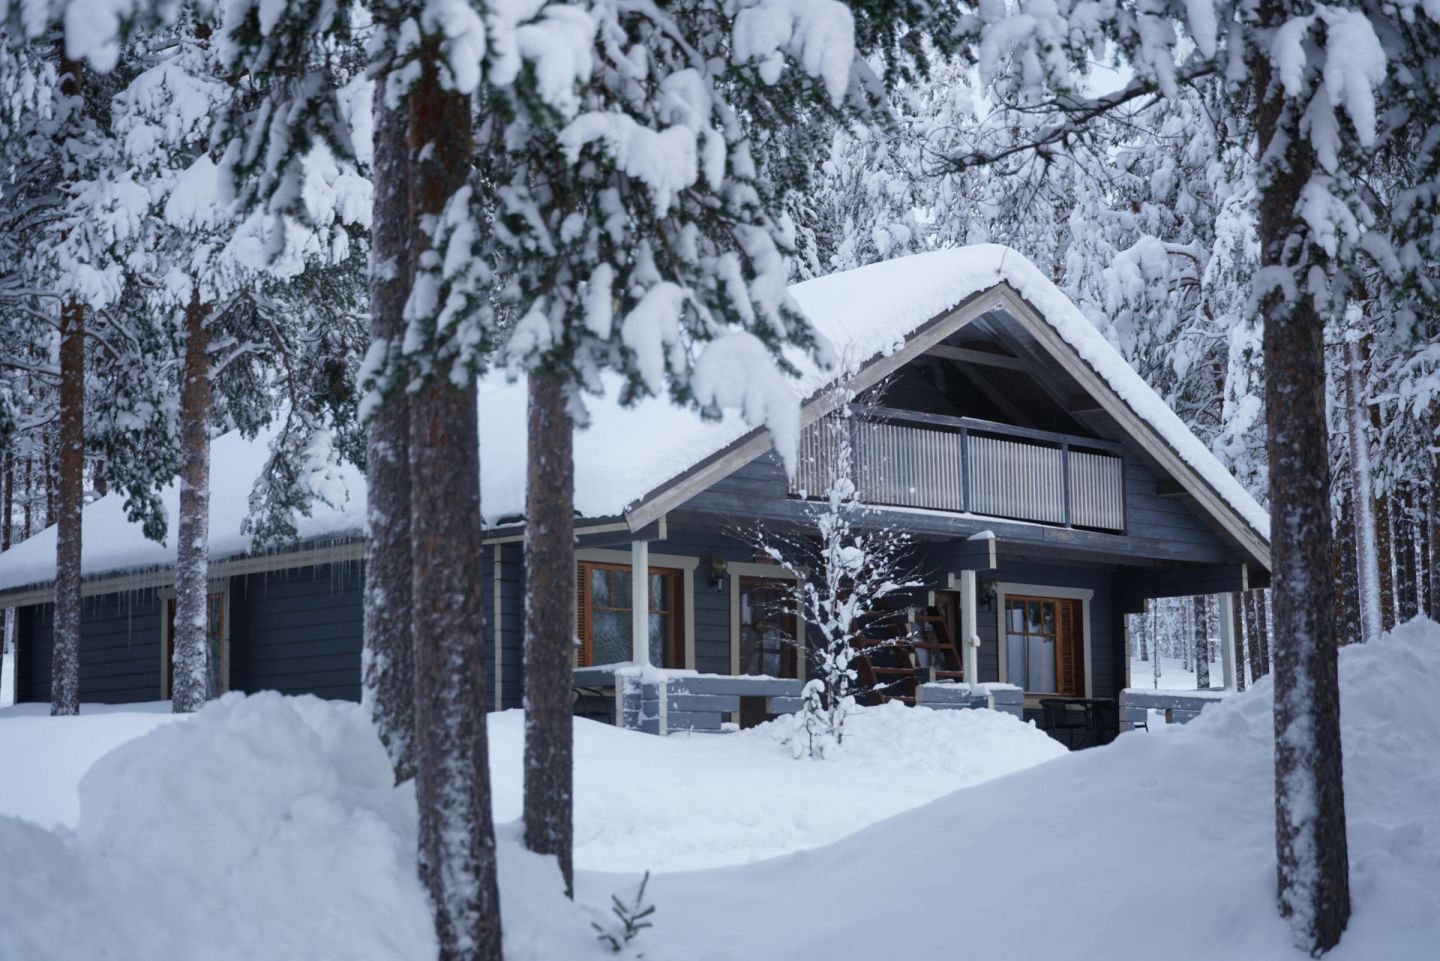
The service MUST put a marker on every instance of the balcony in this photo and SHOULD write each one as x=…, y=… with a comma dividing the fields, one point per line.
x=913, y=459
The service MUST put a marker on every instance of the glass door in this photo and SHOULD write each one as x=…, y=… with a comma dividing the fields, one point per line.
x=768, y=627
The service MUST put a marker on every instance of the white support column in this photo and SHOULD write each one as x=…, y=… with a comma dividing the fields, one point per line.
x=640, y=603
x=970, y=648
x=1227, y=638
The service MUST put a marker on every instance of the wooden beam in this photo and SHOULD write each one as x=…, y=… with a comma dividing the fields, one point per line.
x=1132, y=587
x=965, y=355
x=975, y=553
x=1169, y=487
x=980, y=382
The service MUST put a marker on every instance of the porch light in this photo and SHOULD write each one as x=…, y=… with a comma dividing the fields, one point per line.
x=719, y=574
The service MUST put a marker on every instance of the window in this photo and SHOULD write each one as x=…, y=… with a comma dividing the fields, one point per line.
x=767, y=627
x=1044, y=645
x=604, y=615
x=217, y=664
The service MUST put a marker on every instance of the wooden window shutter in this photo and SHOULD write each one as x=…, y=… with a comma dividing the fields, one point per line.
x=1071, y=644
x=582, y=615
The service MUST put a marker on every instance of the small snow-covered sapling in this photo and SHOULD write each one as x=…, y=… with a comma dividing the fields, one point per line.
x=631, y=919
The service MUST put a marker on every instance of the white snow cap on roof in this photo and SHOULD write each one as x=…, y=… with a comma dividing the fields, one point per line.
x=626, y=453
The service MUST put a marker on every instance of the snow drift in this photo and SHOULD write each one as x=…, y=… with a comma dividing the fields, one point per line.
x=266, y=827
x=704, y=801
x=1151, y=847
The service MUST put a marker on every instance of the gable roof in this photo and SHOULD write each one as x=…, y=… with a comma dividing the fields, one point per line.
x=640, y=461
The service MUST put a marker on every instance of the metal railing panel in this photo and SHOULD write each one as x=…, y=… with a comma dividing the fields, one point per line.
x=908, y=466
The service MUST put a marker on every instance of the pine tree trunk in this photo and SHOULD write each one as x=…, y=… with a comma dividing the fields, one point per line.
x=389, y=655
x=549, y=624
x=1362, y=497
x=1144, y=637
x=1433, y=513
x=1385, y=561
x=1252, y=632
x=1202, y=642
x=452, y=781
x=1237, y=628
x=1402, y=524
x=1343, y=574
x=1312, y=866
x=7, y=504
x=65, y=655
x=192, y=669
x=29, y=497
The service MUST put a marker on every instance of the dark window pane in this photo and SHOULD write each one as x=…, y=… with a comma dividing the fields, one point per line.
x=611, y=631
x=599, y=587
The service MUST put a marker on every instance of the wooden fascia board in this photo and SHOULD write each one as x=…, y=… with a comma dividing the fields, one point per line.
x=1137, y=427
x=755, y=443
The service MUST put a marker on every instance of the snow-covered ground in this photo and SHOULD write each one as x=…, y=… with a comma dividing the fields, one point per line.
x=642, y=802
x=702, y=801
x=267, y=827
x=1173, y=677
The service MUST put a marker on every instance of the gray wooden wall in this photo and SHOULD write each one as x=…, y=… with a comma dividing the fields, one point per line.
x=119, y=649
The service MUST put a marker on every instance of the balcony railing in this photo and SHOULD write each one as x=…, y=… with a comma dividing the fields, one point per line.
x=968, y=465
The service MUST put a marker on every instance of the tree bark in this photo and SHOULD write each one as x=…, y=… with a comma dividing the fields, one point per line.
x=1344, y=575
x=1433, y=512
x=1385, y=561
x=1312, y=865
x=65, y=655
x=1362, y=491
x=1202, y=641
x=1252, y=632
x=193, y=671
x=389, y=656
x=1237, y=627
x=7, y=505
x=452, y=781
x=1402, y=525
x=549, y=620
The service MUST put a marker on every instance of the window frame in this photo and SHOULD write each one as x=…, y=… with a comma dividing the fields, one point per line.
x=677, y=643
x=1009, y=591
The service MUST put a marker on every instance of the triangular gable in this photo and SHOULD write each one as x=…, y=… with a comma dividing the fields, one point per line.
x=1103, y=374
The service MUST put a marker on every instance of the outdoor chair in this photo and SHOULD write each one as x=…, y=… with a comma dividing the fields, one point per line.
x=1104, y=721
x=1065, y=719
x=592, y=703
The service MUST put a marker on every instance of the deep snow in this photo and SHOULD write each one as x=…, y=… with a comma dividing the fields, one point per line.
x=266, y=827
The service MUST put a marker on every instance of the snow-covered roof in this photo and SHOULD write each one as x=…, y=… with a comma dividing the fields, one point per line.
x=628, y=453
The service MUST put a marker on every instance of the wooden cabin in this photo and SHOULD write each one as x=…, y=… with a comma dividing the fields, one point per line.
x=1048, y=489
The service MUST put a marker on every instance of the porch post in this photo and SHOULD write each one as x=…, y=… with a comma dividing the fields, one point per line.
x=969, y=652
x=1227, y=638
x=640, y=603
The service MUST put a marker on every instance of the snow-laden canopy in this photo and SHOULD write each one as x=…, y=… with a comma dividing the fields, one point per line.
x=626, y=453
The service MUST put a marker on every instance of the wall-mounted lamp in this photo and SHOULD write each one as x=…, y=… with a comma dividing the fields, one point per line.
x=988, y=592
x=719, y=574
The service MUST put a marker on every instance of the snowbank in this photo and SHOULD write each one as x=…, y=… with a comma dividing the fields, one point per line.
x=44, y=757
x=1151, y=847
x=688, y=803
x=263, y=827
x=266, y=827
